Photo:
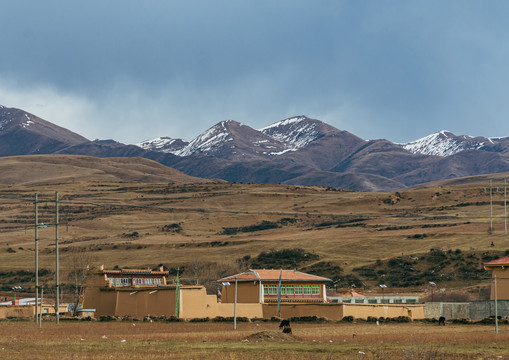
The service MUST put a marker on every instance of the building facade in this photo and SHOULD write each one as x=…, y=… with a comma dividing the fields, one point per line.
x=262, y=286
x=500, y=269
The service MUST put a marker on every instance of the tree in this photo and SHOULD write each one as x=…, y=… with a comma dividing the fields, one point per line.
x=80, y=264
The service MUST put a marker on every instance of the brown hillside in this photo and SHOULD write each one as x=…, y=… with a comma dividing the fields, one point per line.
x=51, y=169
x=210, y=230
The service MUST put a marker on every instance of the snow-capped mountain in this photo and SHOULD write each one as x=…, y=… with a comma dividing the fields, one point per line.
x=23, y=133
x=230, y=139
x=163, y=144
x=298, y=150
x=445, y=143
x=273, y=140
x=297, y=132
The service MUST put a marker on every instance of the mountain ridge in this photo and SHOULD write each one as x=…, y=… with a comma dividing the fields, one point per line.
x=297, y=150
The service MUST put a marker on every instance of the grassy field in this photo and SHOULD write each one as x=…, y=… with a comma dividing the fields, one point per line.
x=208, y=228
x=141, y=340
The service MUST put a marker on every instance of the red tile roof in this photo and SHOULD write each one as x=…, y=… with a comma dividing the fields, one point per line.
x=498, y=262
x=273, y=275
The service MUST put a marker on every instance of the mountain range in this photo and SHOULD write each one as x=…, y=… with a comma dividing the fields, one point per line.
x=298, y=150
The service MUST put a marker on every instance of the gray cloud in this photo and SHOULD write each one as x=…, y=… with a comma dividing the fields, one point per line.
x=133, y=70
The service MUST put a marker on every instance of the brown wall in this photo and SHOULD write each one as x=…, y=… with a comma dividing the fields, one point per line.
x=338, y=311
x=362, y=311
x=138, y=302
x=142, y=303
x=247, y=292
x=197, y=304
x=102, y=300
x=502, y=284
x=329, y=311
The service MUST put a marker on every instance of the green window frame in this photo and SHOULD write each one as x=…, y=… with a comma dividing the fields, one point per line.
x=316, y=290
x=298, y=289
x=307, y=289
x=290, y=290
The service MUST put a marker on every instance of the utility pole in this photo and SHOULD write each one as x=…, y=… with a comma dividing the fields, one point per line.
x=40, y=309
x=505, y=206
x=57, y=265
x=496, y=307
x=235, y=306
x=491, y=207
x=36, y=259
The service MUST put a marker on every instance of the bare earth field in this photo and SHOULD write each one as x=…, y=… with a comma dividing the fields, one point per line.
x=142, y=340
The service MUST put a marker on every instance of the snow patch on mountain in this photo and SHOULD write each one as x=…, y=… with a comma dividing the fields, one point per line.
x=163, y=144
x=208, y=140
x=443, y=143
x=295, y=132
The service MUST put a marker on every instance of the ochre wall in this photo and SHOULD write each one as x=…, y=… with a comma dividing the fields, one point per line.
x=97, y=297
x=502, y=284
x=362, y=311
x=16, y=311
x=247, y=292
x=197, y=304
x=338, y=311
x=102, y=300
x=139, y=304
x=329, y=311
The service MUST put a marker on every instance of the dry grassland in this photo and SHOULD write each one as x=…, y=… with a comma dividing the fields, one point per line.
x=349, y=228
x=96, y=340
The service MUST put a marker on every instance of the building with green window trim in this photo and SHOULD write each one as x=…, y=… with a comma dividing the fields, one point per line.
x=262, y=286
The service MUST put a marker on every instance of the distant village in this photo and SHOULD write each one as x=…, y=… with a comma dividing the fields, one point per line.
x=253, y=294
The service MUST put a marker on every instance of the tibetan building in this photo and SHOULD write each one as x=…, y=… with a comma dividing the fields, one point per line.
x=261, y=286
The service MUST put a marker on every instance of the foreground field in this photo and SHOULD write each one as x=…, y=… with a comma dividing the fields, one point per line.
x=97, y=340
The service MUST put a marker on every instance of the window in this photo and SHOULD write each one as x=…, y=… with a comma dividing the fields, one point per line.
x=272, y=289
x=307, y=289
x=316, y=289
x=138, y=281
x=298, y=289
x=283, y=289
x=125, y=281
x=265, y=289
x=290, y=290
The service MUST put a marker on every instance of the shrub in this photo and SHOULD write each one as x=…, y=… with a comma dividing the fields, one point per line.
x=313, y=318
x=194, y=320
x=286, y=258
x=172, y=228
x=264, y=225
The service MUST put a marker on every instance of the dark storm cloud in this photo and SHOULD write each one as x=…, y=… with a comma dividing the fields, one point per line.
x=132, y=70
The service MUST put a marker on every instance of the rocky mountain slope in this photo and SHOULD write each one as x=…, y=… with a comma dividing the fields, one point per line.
x=22, y=133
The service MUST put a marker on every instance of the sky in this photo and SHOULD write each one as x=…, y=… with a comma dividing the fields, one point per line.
x=135, y=70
